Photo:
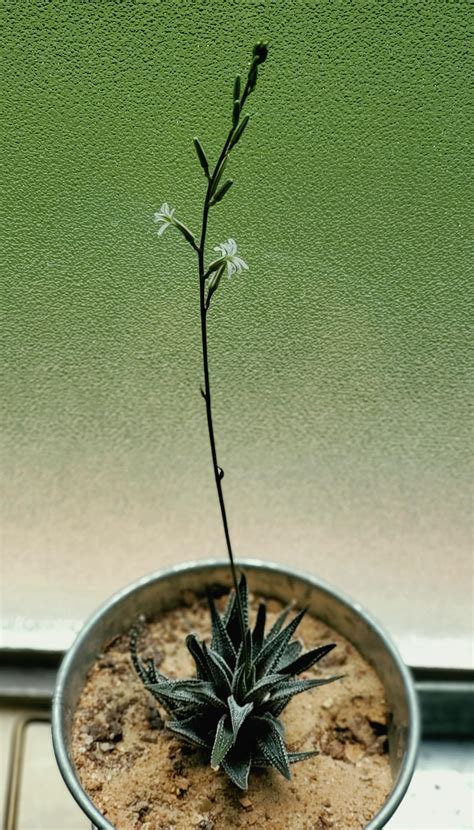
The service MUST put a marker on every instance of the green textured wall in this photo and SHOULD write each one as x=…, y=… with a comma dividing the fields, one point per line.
x=339, y=361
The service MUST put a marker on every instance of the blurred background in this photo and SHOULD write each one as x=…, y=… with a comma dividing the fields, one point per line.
x=339, y=361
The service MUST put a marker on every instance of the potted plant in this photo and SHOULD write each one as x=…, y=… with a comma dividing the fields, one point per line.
x=220, y=716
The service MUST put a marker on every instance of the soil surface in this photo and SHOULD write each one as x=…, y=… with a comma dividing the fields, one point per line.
x=142, y=778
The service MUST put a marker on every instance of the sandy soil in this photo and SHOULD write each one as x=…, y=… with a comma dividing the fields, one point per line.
x=142, y=778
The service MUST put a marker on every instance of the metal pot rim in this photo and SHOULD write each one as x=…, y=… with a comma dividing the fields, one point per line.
x=67, y=668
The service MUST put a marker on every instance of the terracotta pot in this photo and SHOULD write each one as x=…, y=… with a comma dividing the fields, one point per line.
x=160, y=592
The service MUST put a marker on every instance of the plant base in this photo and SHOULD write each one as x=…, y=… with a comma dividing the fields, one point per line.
x=139, y=776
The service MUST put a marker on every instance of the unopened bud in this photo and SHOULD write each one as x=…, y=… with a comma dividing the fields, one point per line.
x=260, y=52
x=238, y=133
x=201, y=156
x=221, y=193
x=237, y=89
x=236, y=113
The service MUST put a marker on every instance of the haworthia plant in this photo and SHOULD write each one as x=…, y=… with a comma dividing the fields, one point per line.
x=245, y=677
x=232, y=707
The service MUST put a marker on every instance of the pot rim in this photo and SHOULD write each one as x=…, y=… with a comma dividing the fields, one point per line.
x=66, y=669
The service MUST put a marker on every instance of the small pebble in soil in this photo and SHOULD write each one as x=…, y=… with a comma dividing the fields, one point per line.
x=149, y=737
x=140, y=809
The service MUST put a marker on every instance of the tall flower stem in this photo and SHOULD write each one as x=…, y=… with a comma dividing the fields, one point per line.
x=214, y=195
x=218, y=473
x=209, y=280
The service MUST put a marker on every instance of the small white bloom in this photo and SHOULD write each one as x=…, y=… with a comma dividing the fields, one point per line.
x=228, y=251
x=164, y=217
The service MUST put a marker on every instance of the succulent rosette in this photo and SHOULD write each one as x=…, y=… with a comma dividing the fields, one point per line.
x=232, y=708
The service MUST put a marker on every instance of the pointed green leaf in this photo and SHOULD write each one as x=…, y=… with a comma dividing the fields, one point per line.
x=259, y=629
x=236, y=765
x=221, y=674
x=202, y=690
x=229, y=607
x=273, y=649
x=278, y=624
x=237, y=714
x=239, y=660
x=223, y=741
x=307, y=660
x=232, y=623
x=238, y=683
x=188, y=731
x=249, y=644
x=282, y=696
x=170, y=705
x=295, y=687
x=264, y=686
x=291, y=652
x=276, y=724
x=271, y=745
x=163, y=692
x=195, y=647
x=221, y=642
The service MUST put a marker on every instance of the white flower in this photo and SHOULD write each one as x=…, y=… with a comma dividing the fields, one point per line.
x=228, y=251
x=164, y=217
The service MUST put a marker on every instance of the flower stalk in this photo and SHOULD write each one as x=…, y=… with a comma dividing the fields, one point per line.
x=210, y=280
x=245, y=676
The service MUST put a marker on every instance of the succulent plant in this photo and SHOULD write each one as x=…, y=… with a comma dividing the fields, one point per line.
x=244, y=678
x=231, y=708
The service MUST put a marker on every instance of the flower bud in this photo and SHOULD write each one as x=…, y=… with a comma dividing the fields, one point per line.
x=237, y=88
x=218, y=177
x=201, y=156
x=260, y=52
x=238, y=133
x=236, y=113
x=221, y=193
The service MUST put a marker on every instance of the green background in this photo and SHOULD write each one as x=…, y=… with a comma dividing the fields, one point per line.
x=339, y=361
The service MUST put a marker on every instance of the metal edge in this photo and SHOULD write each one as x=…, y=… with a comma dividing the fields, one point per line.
x=59, y=745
